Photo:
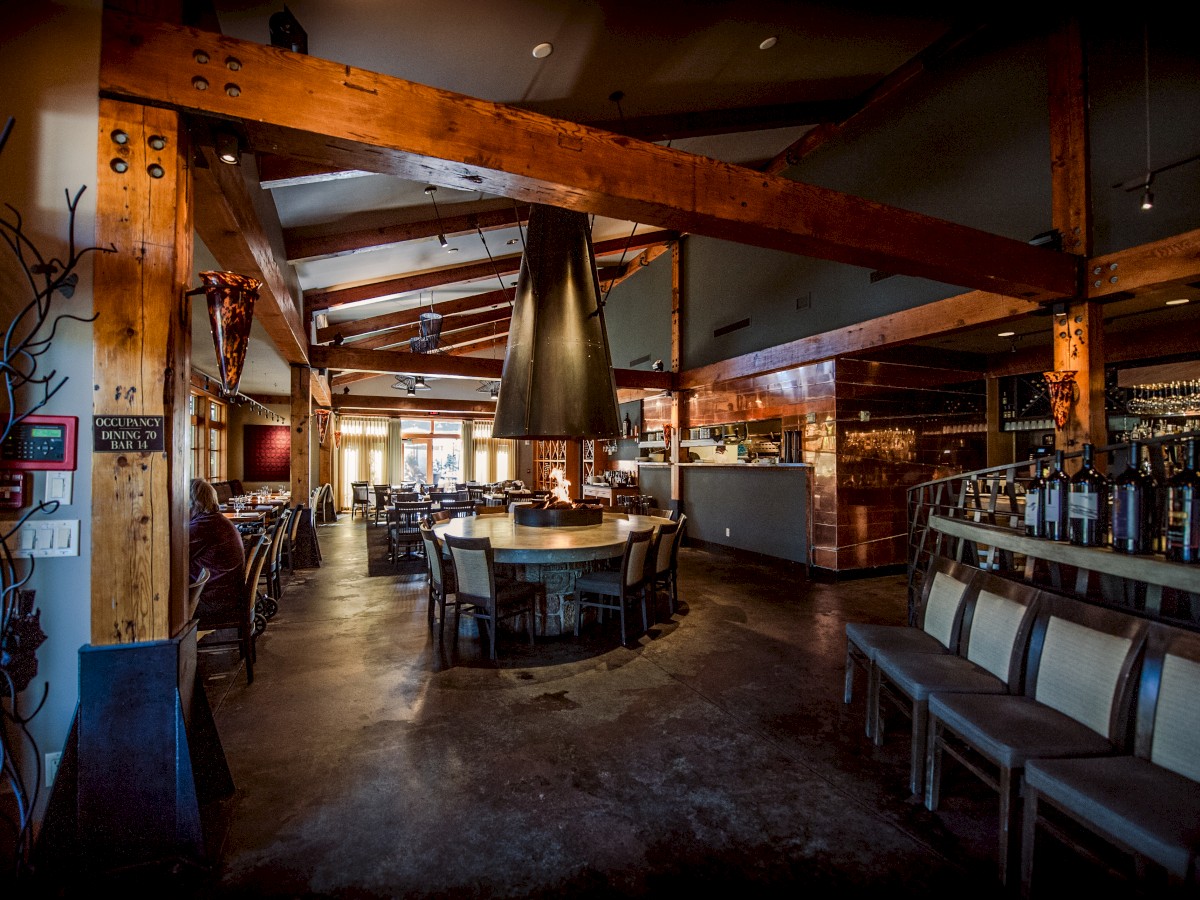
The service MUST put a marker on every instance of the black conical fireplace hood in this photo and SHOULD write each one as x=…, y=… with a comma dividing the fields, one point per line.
x=557, y=380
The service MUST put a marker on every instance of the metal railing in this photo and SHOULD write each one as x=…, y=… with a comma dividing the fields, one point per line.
x=993, y=496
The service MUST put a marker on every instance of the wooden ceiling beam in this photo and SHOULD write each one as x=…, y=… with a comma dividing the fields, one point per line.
x=332, y=114
x=1155, y=266
x=280, y=171
x=339, y=298
x=404, y=225
x=452, y=326
x=474, y=271
x=237, y=233
x=357, y=328
x=418, y=404
x=387, y=362
x=706, y=122
x=899, y=80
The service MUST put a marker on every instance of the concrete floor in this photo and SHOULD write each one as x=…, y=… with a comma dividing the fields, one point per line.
x=713, y=754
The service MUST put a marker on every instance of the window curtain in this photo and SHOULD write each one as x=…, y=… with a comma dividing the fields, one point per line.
x=468, y=451
x=395, y=451
x=362, y=453
x=494, y=458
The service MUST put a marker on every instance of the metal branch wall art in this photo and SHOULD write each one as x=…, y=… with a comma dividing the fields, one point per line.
x=46, y=280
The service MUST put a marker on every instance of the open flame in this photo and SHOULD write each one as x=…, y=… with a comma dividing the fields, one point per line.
x=561, y=490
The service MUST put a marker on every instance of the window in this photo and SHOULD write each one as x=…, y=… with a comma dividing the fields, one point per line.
x=433, y=450
x=209, y=429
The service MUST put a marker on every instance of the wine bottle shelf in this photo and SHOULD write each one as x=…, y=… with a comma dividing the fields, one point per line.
x=1151, y=570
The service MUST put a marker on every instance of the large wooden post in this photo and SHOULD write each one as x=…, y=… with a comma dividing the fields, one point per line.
x=1078, y=325
x=141, y=363
x=301, y=420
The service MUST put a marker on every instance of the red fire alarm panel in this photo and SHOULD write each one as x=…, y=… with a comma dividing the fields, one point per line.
x=40, y=443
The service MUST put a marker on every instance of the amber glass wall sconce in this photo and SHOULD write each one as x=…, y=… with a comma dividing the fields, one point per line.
x=231, y=299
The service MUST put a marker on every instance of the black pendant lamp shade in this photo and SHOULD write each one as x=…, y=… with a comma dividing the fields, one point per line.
x=557, y=380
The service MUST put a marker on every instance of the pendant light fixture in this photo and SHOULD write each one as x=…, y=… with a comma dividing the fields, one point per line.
x=557, y=380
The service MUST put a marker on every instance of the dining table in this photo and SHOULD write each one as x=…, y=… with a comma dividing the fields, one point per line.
x=554, y=556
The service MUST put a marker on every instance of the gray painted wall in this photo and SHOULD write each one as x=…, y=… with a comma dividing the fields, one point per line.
x=765, y=508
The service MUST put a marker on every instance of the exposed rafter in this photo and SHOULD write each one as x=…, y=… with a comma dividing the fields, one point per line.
x=332, y=114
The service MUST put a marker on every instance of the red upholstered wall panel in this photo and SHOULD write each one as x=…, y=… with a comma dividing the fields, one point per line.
x=266, y=454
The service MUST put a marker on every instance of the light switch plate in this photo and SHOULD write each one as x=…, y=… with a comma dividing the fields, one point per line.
x=59, y=486
x=48, y=537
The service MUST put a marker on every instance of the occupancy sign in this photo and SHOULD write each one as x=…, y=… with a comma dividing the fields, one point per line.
x=123, y=434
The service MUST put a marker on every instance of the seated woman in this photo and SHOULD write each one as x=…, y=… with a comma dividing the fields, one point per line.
x=217, y=546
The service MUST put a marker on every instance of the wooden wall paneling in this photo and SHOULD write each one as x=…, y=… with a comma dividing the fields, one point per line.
x=141, y=360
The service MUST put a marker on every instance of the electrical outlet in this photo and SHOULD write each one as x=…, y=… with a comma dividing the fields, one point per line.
x=52, y=760
x=726, y=532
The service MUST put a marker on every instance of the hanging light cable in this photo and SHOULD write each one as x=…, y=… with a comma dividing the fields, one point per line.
x=1148, y=195
x=430, y=190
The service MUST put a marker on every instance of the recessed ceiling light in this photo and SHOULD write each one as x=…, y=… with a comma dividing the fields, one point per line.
x=1006, y=334
x=511, y=241
x=768, y=43
x=542, y=50
x=1179, y=302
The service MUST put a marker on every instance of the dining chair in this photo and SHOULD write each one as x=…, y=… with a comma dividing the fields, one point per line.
x=289, y=541
x=382, y=492
x=243, y=621
x=443, y=589
x=485, y=596
x=272, y=568
x=360, y=499
x=616, y=589
x=404, y=529
x=947, y=587
x=1078, y=688
x=1145, y=805
x=458, y=509
x=660, y=558
x=990, y=658
x=195, y=588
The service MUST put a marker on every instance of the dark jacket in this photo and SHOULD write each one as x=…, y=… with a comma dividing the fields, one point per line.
x=216, y=545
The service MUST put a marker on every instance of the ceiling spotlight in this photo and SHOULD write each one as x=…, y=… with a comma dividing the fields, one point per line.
x=511, y=241
x=542, y=50
x=1178, y=302
x=442, y=240
x=346, y=389
x=227, y=148
x=1006, y=334
x=768, y=43
x=494, y=393
x=419, y=383
x=1148, y=198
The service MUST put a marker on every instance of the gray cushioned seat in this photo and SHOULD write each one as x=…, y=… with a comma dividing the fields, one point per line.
x=1150, y=809
x=920, y=674
x=872, y=639
x=1009, y=729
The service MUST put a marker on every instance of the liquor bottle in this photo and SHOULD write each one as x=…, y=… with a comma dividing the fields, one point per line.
x=1054, y=500
x=1132, y=506
x=1182, y=522
x=1035, y=491
x=1087, y=504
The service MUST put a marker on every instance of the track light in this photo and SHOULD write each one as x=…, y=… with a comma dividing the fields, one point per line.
x=228, y=150
x=1148, y=198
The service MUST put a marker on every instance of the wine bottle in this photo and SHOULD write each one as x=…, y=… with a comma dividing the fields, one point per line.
x=1035, y=524
x=1132, y=506
x=1054, y=500
x=1182, y=521
x=1087, y=504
